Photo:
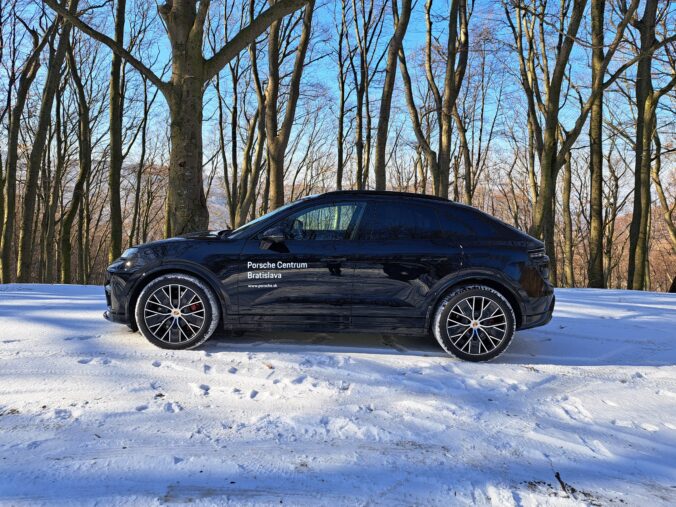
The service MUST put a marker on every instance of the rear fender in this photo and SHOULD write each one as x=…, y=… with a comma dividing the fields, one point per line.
x=489, y=277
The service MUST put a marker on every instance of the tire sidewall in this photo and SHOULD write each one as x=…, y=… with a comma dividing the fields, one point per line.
x=447, y=304
x=211, y=310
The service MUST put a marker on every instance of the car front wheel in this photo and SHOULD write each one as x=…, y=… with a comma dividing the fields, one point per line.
x=177, y=311
x=474, y=323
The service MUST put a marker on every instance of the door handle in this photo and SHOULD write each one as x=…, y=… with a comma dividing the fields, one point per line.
x=433, y=259
x=333, y=259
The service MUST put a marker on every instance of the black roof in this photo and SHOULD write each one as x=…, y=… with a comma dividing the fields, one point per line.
x=386, y=193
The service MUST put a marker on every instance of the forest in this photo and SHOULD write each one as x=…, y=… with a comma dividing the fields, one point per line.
x=126, y=121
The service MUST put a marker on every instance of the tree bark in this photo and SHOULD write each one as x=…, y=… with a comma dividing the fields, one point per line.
x=85, y=162
x=44, y=118
x=278, y=136
x=468, y=187
x=53, y=196
x=667, y=209
x=596, y=278
x=342, y=97
x=26, y=78
x=567, y=226
x=400, y=24
x=543, y=219
x=457, y=48
x=638, y=230
x=115, y=169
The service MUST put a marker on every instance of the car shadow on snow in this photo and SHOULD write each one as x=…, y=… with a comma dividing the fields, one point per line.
x=322, y=342
x=531, y=347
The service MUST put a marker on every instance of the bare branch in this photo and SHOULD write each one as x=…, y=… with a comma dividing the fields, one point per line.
x=248, y=35
x=114, y=46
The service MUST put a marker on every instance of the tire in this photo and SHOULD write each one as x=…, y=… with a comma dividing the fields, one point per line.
x=474, y=323
x=177, y=311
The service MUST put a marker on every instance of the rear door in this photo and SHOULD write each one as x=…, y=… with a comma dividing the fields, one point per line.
x=398, y=255
x=302, y=275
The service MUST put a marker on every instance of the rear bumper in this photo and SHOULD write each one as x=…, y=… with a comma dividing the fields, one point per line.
x=542, y=318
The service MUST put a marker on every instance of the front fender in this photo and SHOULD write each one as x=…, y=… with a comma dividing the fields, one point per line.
x=179, y=266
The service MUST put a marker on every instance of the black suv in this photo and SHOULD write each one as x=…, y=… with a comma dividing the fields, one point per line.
x=363, y=261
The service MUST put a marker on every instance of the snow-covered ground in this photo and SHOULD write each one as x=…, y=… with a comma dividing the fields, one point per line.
x=582, y=411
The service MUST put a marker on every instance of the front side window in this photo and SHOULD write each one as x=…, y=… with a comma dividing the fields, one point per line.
x=241, y=231
x=398, y=221
x=328, y=222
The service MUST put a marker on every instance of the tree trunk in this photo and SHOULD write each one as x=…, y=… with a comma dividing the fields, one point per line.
x=135, y=220
x=115, y=168
x=567, y=226
x=342, y=79
x=278, y=136
x=26, y=79
x=44, y=118
x=52, y=202
x=186, y=202
x=543, y=218
x=638, y=230
x=596, y=278
x=401, y=24
x=468, y=189
x=85, y=162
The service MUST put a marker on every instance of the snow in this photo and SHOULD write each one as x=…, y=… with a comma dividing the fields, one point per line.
x=582, y=411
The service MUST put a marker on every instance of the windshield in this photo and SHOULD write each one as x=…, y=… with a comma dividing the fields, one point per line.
x=237, y=233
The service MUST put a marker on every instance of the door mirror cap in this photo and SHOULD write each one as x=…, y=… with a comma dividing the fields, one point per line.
x=274, y=235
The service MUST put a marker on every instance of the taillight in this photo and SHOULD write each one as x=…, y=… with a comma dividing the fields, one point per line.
x=537, y=254
x=540, y=259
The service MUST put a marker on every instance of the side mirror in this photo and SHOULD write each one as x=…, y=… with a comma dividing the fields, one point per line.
x=274, y=235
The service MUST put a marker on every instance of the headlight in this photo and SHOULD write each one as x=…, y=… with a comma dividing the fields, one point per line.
x=132, y=258
x=129, y=253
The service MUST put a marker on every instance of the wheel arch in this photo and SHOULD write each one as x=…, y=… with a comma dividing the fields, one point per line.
x=486, y=279
x=184, y=268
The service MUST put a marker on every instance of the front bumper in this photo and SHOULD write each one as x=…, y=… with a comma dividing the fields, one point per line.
x=115, y=317
x=117, y=295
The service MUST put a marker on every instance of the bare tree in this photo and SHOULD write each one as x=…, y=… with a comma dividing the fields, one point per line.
x=400, y=20
x=116, y=104
x=277, y=135
x=455, y=55
x=647, y=99
x=56, y=60
x=184, y=21
x=29, y=71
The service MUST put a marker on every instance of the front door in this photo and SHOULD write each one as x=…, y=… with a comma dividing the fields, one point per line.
x=301, y=275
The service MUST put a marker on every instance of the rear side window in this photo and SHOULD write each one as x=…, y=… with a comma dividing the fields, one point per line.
x=384, y=220
x=458, y=222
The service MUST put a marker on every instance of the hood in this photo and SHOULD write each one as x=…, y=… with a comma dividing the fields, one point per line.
x=202, y=235
x=199, y=236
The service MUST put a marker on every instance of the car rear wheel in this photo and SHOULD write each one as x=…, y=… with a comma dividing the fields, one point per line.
x=177, y=311
x=474, y=323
